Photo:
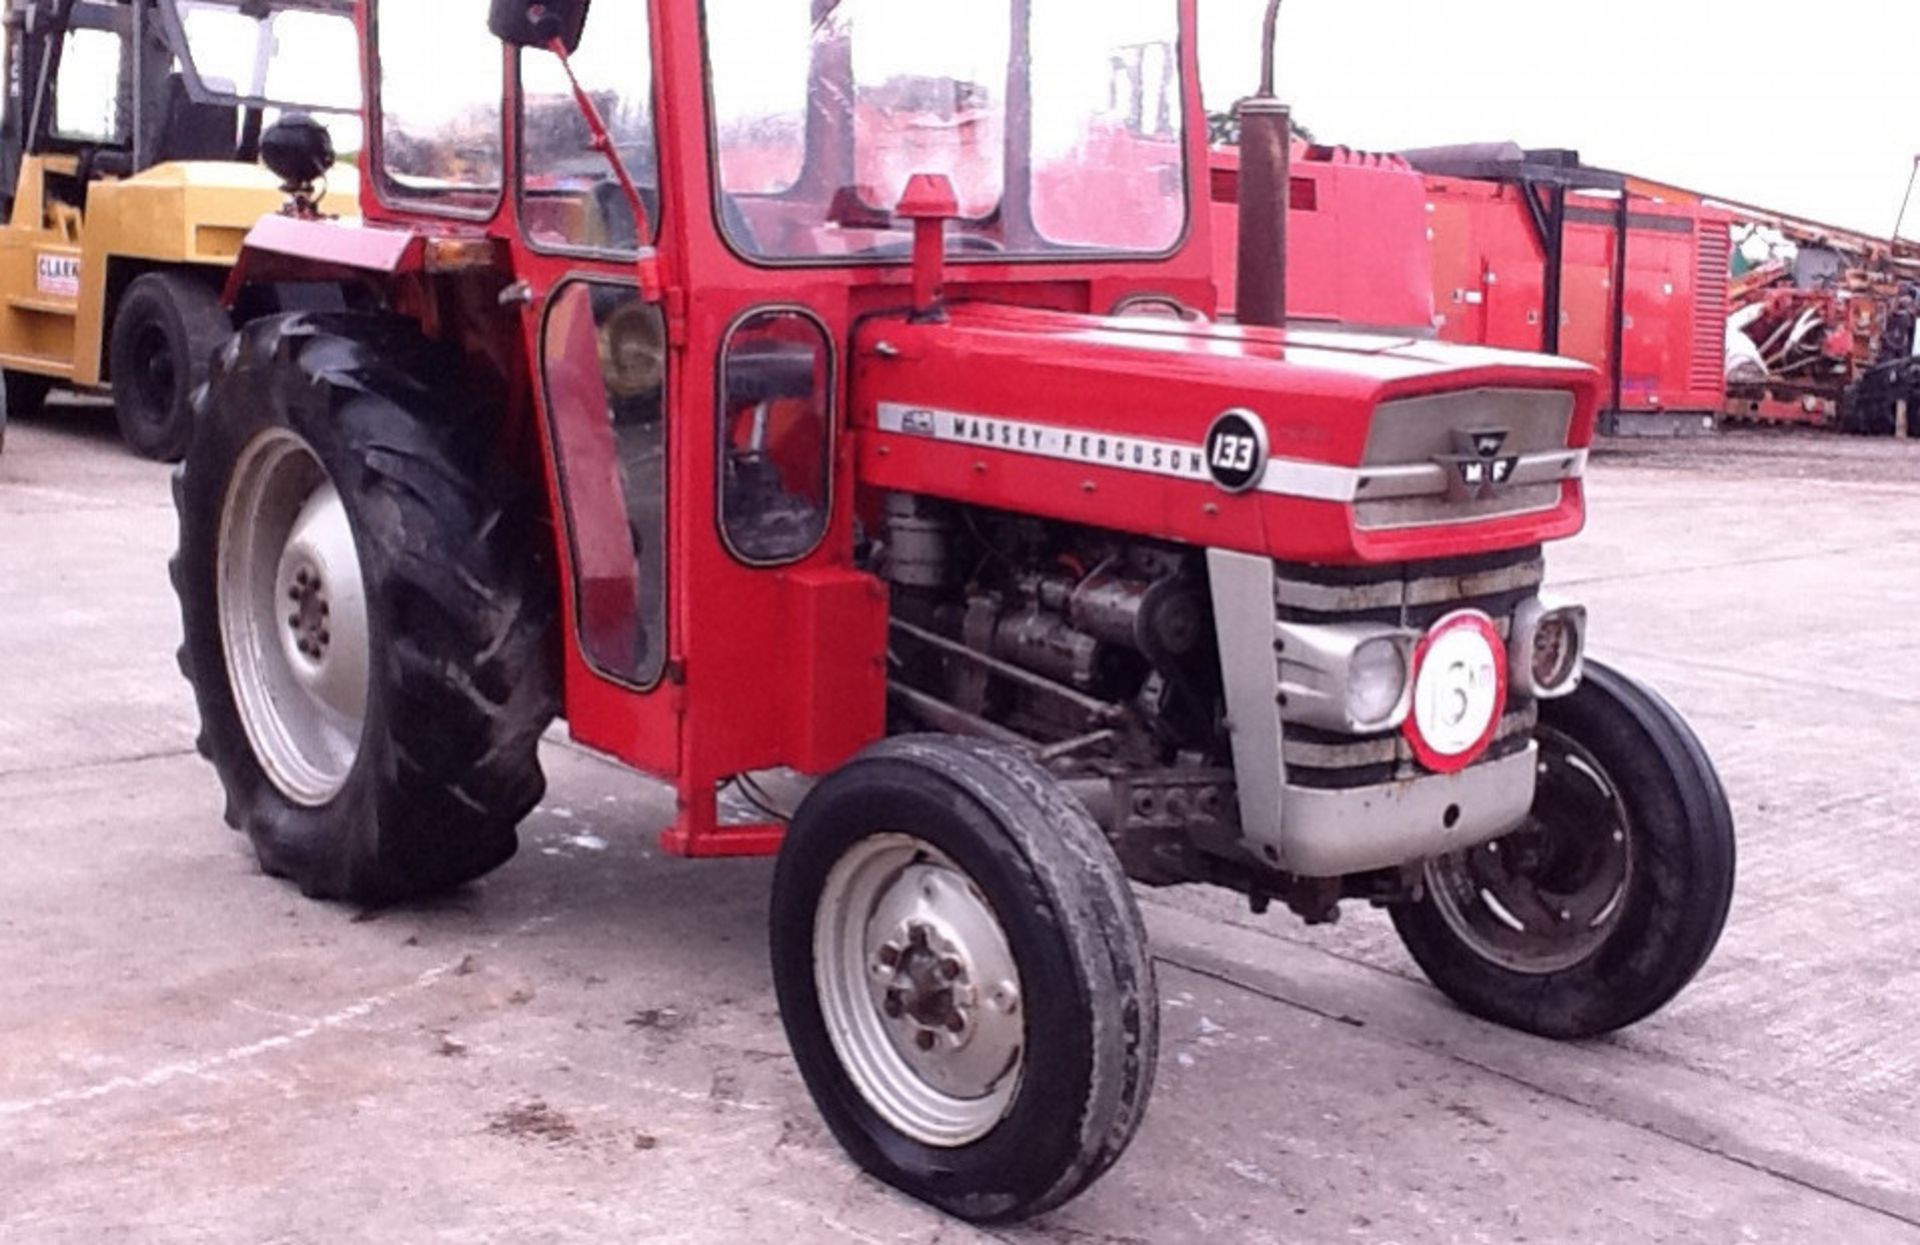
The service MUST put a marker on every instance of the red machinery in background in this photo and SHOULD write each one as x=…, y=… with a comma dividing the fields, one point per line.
x=1495, y=246
x=1526, y=249
x=1357, y=252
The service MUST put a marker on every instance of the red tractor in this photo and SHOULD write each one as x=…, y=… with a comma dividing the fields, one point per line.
x=754, y=387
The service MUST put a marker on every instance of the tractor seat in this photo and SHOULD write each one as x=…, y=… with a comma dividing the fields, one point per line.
x=196, y=131
x=769, y=372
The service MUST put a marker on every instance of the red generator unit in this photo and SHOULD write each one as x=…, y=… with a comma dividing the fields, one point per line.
x=1357, y=239
x=1525, y=247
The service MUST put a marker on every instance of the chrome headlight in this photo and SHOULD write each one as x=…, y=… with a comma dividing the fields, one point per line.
x=1352, y=678
x=1549, y=648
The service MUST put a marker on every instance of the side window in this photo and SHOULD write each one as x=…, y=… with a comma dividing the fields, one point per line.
x=87, y=93
x=440, y=88
x=569, y=196
x=776, y=411
x=604, y=357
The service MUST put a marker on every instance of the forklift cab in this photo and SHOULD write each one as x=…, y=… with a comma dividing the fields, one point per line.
x=129, y=137
x=111, y=88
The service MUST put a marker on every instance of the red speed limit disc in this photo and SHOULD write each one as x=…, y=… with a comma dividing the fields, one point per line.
x=1459, y=691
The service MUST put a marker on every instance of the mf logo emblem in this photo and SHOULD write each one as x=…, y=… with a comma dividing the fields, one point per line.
x=1477, y=470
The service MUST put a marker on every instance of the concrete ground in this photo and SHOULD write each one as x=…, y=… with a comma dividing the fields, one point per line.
x=584, y=1047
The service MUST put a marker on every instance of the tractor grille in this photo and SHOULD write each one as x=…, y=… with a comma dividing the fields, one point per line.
x=1409, y=595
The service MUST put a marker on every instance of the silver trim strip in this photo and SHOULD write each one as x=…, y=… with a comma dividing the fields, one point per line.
x=1180, y=460
x=1243, y=621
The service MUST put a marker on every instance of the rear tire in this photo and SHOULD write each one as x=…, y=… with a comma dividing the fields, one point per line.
x=963, y=977
x=367, y=611
x=1606, y=904
x=165, y=331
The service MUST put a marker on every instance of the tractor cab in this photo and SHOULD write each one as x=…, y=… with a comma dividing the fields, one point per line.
x=834, y=388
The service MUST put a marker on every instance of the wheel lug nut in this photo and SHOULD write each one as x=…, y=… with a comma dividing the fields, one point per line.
x=893, y=1006
x=956, y=1023
x=889, y=956
x=326, y=638
x=924, y=1039
x=950, y=969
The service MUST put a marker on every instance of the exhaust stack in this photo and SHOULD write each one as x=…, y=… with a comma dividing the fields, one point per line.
x=1266, y=192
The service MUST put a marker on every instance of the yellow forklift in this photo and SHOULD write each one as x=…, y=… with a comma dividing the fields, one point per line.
x=129, y=176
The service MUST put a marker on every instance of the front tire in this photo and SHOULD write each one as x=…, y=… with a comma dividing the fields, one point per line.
x=963, y=977
x=165, y=332
x=366, y=611
x=1602, y=908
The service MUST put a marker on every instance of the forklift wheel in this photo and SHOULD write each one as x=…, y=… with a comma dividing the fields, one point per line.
x=963, y=977
x=1606, y=903
x=366, y=611
x=165, y=332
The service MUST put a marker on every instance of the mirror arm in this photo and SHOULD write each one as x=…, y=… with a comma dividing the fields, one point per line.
x=648, y=264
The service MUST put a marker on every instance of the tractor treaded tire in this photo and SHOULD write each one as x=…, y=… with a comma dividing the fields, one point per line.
x=185, y=310
x=459, y=599
x=1677, y=900
x=1076, y=1111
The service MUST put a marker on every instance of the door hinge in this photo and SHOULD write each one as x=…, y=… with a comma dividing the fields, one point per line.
x=674, y=303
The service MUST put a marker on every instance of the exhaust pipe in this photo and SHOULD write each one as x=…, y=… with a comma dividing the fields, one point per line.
x=1266, y=192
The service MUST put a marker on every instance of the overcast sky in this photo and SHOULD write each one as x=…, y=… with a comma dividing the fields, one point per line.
x=1812, y=108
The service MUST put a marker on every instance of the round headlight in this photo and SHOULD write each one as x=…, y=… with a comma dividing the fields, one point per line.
x=1556, y=652
x=1376, y=684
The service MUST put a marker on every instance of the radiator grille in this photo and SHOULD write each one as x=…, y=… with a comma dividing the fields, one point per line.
x=1415, y=595
x=1709, y=370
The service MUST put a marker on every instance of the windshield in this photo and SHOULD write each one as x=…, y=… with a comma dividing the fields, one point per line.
x=290, y=55
x=1058, y=122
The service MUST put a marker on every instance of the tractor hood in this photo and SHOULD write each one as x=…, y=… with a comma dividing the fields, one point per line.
x=1303, y=446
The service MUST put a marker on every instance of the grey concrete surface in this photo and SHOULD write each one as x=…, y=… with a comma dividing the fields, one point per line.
x=584, y=1047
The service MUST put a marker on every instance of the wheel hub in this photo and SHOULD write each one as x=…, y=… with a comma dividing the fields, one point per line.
x=919, y=990
x=293, y=617
x=931, y=993
x=312, y=614
x=1547, y=896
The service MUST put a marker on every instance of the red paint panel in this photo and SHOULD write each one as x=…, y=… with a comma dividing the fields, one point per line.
x=372, y=248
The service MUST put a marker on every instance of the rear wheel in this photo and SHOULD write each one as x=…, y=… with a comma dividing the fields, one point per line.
x=963, y=977
x=366, y=612
x=1606, y=903
x=165, y=332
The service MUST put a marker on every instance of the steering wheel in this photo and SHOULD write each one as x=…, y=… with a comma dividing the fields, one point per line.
x=616, y=215
x=978, y=244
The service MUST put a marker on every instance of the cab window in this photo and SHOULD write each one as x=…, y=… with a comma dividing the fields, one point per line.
x=604, y=358
x=569, y=197
x=776, y=411
x=88, y=93
x=439, y=83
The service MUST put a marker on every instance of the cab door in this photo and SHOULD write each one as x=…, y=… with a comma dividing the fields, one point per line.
x=606, y=381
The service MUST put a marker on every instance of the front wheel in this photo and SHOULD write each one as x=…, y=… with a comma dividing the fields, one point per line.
x=963, y=977
x=1610, y=898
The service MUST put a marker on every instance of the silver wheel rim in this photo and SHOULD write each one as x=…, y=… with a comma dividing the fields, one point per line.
x=919, y=991
x=1548, y=896
x=293, y=618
